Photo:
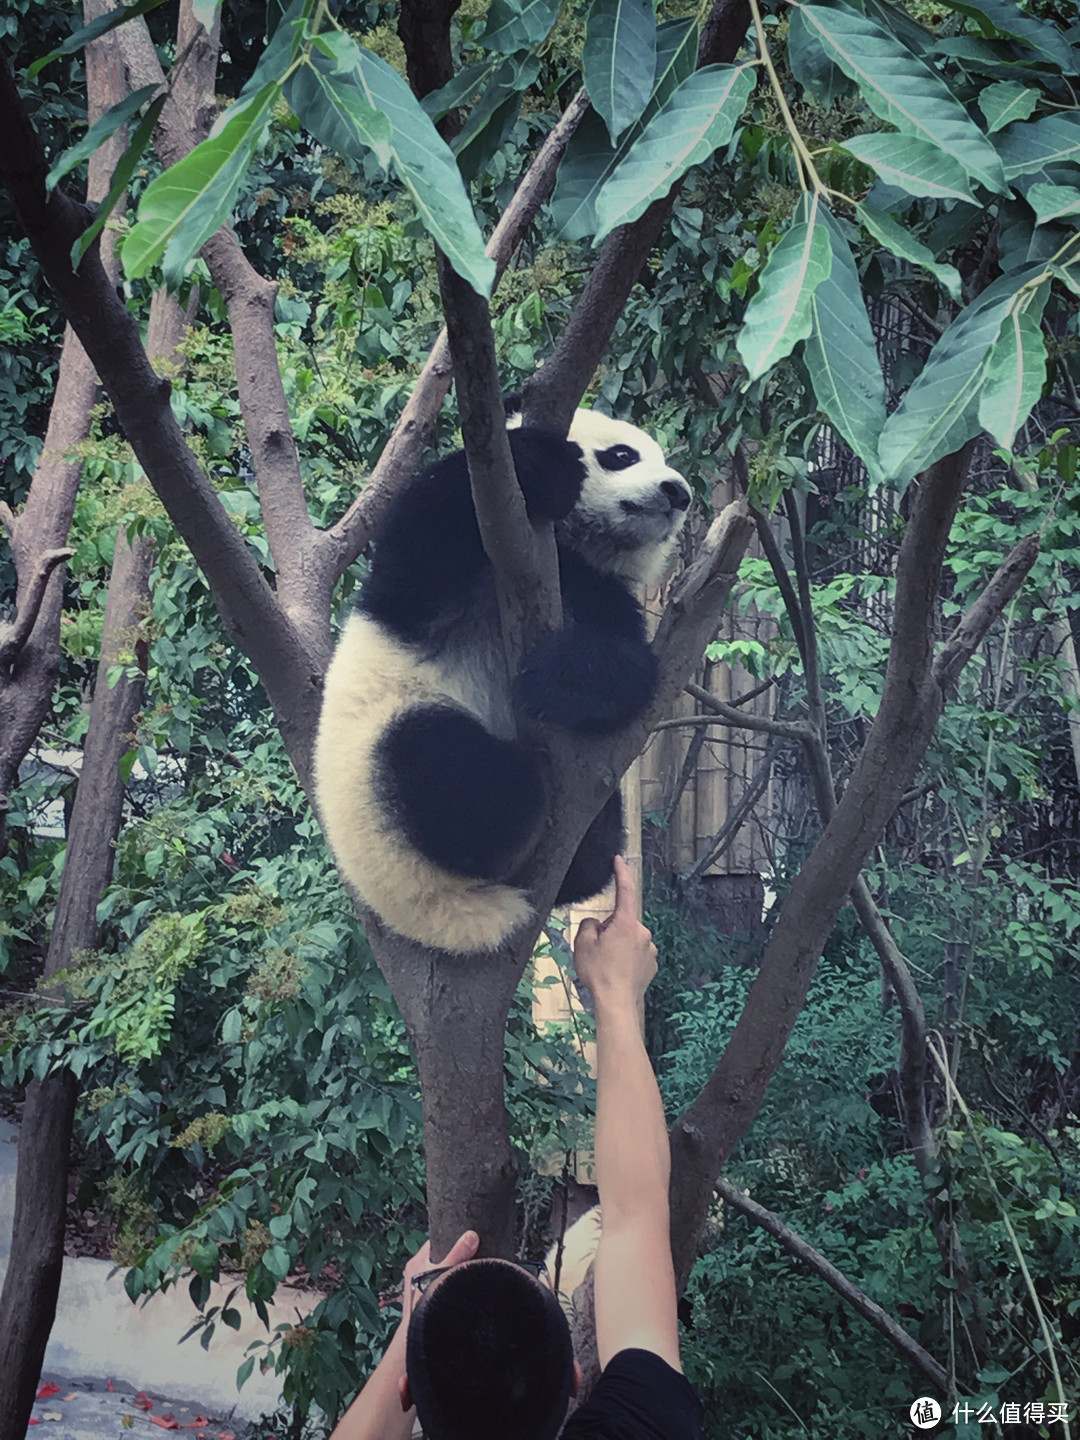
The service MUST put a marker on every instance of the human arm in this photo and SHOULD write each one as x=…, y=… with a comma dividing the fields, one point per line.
x=384, y=1410
x=634, y=1274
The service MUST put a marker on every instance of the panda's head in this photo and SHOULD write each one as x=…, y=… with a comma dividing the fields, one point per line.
x=632, y=505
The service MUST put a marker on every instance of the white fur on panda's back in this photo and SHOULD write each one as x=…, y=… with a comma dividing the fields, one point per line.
x=373, y=678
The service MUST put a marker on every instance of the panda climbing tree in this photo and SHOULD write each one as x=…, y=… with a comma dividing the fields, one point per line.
x=344, y=97
x=430, y=799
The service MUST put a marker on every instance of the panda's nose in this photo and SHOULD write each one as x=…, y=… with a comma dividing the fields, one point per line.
x=677, y=492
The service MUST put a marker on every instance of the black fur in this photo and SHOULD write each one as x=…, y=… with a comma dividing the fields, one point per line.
x=429, y=554
x=467, y=800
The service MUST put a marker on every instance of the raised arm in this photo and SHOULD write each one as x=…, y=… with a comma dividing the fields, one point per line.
x=635, y=1278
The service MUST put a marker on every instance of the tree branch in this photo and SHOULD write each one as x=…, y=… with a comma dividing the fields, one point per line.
x=813, y=1259
x=522, y=555
x=551, y=395
x=400, y=458
x=302, y=587
x=14, y=636
x=738, y=719
x=110, y=336
x=1000, y=590
x=911, y=703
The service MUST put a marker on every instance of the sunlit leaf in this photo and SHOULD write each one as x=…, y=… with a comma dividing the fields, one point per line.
x=590, y=157
x=840, y=354
x=183, y=207
x=778, y=315
x=99, y=26
x=1009, y=19
x=811, y=64
x=121, y=179
x=418, y=154
x=1016, y=369
x=1053, y=202
x=619, y=60
x=699, y=116
x=1006, y=101
x=901, y=88
x=1027, y=147
x=902, y=243
x=104, y=126
x=514, y=26
x=337, y=112
x=915, y=166
x=940, y=410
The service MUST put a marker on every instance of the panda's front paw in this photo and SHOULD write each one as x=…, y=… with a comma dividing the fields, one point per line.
x=550, y=471
x=587, y=680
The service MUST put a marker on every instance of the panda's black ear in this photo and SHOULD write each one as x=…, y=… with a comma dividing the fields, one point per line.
x=550, y=471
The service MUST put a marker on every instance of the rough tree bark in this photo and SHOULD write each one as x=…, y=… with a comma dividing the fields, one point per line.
x=32, y=1283
x=30, y=647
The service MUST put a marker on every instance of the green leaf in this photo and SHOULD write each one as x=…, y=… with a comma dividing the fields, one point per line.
x=811, y=65
x=698, y=117
x=840, y=354
x=619, y=60
x=1053, y=202
x=915, y=166
x=465, y=85
x=939, y=412
x=522, y=25
x=1025, y=148
x=1008, y=19
x=419, y=156
x=182, y=208
x=904, y=90
x=337, y=112
x=1006, y=101
x=492, y=117
x=902, y=243
x=778, y=315
x=121, y=179
x=101, y=26
x=1016, y=369
x=104, y=126
x=590, y=158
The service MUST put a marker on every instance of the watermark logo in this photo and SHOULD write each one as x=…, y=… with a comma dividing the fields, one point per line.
x=925, y=1413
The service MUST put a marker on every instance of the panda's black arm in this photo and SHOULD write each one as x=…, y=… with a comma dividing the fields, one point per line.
x=598, y=672
x=428, y=552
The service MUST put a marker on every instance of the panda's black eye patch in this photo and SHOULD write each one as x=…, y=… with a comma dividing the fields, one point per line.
x=617, y=457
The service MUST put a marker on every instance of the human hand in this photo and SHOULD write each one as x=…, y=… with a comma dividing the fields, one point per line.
x=463, y=1248
x=616, y=959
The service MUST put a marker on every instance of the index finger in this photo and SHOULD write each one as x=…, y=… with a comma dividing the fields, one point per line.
x=625, y=889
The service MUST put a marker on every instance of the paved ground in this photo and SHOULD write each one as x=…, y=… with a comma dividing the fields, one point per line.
x=104, y=1353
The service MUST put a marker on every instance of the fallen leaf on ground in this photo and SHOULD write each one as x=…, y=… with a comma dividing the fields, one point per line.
x=109, y=1385
x=52, y=1415
x=49, y=1388
x=165, y=1421
x=142, y=1401
x=199, y=1423
x=72, y=1396
x=33, y=1420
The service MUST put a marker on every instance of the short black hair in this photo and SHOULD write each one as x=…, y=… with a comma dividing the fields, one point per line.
x=488, y=1355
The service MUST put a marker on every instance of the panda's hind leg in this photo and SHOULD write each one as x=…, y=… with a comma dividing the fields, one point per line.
x=469, y=801
x=594, y=864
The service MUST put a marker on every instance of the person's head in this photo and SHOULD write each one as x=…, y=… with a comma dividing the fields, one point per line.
x=488, y=1354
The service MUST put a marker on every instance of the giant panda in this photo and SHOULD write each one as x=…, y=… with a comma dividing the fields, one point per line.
x=428, y=799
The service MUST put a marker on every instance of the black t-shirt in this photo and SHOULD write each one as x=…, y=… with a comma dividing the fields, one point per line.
x=638, y=1397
